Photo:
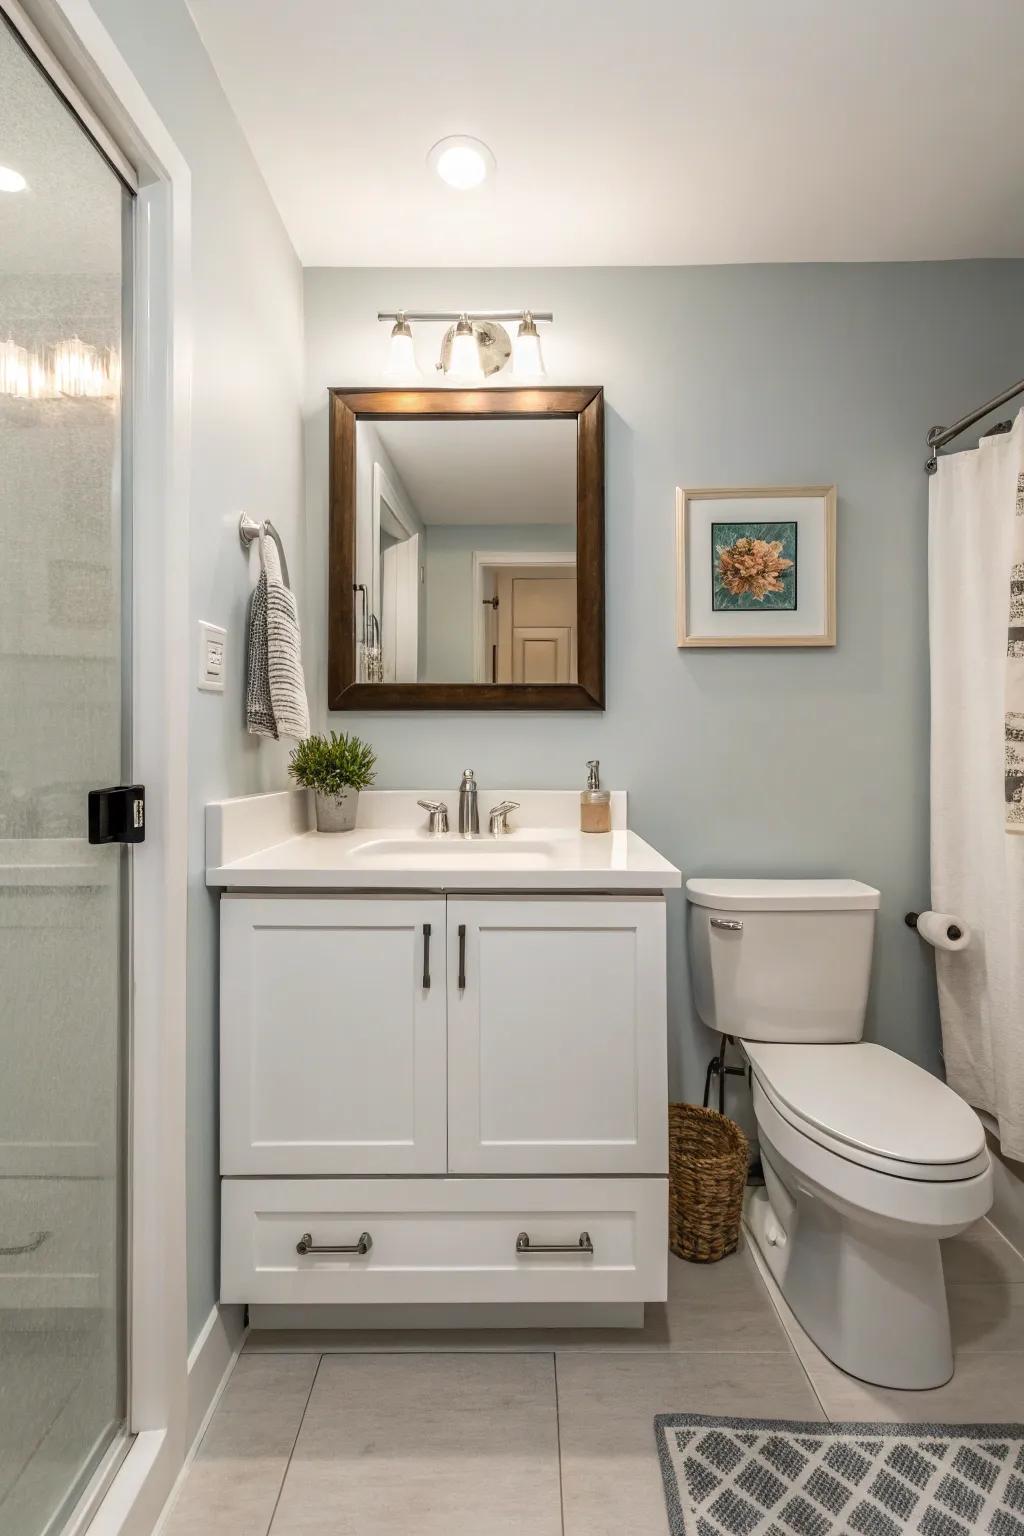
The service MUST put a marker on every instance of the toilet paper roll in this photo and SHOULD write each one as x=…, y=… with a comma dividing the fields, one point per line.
x=935, y=928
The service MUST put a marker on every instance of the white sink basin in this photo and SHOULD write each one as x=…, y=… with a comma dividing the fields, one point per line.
x=454, y=852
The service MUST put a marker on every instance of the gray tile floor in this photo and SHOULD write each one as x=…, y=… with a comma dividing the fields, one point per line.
x=550, y=1432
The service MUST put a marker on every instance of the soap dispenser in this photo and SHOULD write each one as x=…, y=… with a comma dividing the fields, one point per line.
x=595, y=802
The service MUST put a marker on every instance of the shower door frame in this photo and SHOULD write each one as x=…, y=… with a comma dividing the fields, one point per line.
x=75, y=50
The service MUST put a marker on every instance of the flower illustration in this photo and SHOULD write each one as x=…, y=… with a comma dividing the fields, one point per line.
x=752, y=567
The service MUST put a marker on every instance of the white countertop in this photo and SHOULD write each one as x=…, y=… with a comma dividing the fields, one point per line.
x=263, y=842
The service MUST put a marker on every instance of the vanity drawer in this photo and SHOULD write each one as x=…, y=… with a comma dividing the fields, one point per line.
x=444, y=1240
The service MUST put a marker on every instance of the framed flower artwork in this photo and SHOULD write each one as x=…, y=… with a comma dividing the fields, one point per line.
x=756, y=566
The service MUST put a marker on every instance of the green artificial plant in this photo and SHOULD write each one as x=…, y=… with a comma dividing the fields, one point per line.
x=332, y=764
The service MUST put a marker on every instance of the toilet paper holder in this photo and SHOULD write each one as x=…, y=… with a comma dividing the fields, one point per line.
x=952, y=932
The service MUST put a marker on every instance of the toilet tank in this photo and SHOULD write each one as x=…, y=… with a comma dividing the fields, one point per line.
x=782, y=959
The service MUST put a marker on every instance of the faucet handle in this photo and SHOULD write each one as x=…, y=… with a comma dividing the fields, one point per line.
x=499, y=817
x=437, y=813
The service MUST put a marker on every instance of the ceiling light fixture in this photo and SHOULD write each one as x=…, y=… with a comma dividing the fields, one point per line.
x=462, y=162
x=11, y=181
x=527, y=358
x=401, y=353
x=475, y=345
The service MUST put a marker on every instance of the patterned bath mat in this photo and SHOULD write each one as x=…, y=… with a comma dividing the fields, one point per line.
x=776, y=1477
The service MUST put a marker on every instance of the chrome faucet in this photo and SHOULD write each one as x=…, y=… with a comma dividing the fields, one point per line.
x=498, y=821
x=437, y=814
x=469, y=811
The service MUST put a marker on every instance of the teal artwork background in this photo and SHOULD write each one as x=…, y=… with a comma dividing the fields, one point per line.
x=725, y=534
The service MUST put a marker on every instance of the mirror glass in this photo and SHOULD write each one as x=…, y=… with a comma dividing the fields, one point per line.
x=466, y=551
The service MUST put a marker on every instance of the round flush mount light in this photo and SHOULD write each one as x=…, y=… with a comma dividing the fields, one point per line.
x=11, y=181
x=461, y=162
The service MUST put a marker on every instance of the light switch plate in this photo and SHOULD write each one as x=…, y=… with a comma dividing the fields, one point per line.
x=212, y=656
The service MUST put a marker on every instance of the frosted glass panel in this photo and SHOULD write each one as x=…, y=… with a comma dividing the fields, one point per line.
x=62, y=676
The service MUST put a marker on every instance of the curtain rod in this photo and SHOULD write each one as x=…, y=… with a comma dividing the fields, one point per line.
x=938, y=437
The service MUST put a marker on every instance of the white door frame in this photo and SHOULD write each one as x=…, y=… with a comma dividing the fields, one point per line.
x=483, y=559
x=403, y=642
x=77, y=50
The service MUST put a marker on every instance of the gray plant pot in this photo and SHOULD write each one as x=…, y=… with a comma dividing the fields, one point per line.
x=337, y=815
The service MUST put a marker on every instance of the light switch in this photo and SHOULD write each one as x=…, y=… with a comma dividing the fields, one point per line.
x=212, y=648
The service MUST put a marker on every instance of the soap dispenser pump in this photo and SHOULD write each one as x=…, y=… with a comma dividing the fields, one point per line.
x=595, y=802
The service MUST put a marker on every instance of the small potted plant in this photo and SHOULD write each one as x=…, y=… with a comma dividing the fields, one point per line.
x=336, y=768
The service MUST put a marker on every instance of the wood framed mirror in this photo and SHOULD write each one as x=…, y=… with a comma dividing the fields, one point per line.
x=466, y=553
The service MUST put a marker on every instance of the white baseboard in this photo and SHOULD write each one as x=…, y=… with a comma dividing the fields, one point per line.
x=1007, y=1213
x=592, y=1314
x=210, y=1362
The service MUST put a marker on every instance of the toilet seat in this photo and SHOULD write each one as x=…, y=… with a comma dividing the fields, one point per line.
x=872, y=1107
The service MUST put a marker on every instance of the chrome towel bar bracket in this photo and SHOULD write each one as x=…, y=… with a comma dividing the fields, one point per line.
x=248, y=531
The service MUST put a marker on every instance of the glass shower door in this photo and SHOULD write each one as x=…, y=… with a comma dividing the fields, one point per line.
x=65, y=222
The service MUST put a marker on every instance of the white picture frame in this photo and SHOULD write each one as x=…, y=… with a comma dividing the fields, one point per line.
x=809, y=619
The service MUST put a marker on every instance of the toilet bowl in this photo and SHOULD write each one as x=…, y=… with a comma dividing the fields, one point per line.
x=869, y=1160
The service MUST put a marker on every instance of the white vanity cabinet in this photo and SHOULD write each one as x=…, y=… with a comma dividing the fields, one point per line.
x=443, y=1065
x=332, y=1029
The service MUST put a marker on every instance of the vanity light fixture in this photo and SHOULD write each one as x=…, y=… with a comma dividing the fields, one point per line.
x=475, y=345
x=461, y=162
x=402, y=363
x=463, y=353
x=11, y=180
x=527, y=358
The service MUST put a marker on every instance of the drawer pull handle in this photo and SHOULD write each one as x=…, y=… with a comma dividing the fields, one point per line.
x=733, y=924
x=306, y=1244
x=462, y=957
x=426, y=957
x=582, y=1245
x=35, y=1241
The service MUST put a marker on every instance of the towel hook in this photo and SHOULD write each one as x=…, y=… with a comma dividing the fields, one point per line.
x=248, y=530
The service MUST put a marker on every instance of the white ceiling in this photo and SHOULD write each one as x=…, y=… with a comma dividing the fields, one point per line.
x=648, y=132
x=485, y=472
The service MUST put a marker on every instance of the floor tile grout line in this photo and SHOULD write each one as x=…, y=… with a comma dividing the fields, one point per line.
x=558, y=1441
x=291, y=1453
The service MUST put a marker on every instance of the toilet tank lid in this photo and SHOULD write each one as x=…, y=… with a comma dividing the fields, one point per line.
x=782, y=895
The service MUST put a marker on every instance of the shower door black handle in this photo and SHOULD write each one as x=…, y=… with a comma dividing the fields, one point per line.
x=118, y=814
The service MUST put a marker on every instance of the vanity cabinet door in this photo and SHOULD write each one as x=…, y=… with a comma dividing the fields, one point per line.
x=557, y=1036
x=332, y=1040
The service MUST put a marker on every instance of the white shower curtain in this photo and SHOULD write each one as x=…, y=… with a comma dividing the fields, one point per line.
x=976, y=519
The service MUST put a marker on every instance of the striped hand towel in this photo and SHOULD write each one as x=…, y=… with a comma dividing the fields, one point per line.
x=275, y=692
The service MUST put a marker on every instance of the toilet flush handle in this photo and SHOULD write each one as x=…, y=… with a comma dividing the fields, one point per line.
x=732, y=923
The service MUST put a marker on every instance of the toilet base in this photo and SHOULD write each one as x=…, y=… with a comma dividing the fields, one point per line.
x=870, y=1295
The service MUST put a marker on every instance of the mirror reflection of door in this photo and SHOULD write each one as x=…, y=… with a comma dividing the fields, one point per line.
x=393, y=637
x=533, y=629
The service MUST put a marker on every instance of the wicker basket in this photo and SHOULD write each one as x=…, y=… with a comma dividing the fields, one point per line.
x=707, y=1168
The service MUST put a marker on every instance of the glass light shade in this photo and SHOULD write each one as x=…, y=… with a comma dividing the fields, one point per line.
x=464, y=362
x=401, y=355
x=527, y=358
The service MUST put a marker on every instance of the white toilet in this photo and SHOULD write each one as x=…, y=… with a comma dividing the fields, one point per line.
x=869, y=1160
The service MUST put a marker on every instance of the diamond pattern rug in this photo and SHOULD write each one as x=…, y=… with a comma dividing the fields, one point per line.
x=777, y=1477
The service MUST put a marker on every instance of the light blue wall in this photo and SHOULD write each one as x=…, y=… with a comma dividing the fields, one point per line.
x=246, y=454
x=449, y=585
x=736, y=762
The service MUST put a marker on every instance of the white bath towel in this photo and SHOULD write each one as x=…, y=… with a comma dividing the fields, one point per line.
x=275, y=693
